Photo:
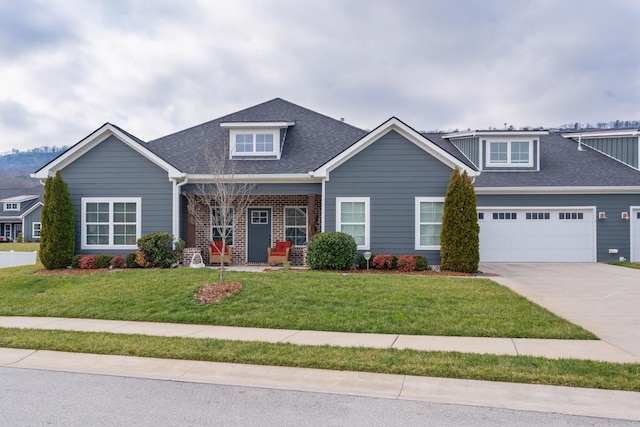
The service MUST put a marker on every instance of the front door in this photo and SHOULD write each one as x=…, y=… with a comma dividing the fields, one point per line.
x=258, y=234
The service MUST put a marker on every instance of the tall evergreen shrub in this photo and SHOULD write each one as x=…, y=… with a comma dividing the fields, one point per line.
x=57, y=236
x=460, y=235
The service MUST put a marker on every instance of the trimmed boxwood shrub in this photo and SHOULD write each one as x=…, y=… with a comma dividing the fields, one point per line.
x=104, y=260
x=156, y=248
x=421, y=263
x=130, y=262
x=332, y=250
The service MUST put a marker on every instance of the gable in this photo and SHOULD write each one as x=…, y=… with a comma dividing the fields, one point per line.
x=407, y=134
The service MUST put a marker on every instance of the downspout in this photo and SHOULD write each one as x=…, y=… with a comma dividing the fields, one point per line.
x=176, y=204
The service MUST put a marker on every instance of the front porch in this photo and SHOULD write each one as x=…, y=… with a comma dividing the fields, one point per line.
x=268, y=219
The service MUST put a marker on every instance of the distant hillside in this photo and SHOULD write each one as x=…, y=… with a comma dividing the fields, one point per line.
x=16, y=166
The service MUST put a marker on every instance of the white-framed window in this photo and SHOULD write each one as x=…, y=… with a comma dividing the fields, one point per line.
x=12, y=206
x=35, y=230
x=352, y=217
x=428, y=217
x=7, y=231
x=111, y=223
x=217, y=228
x=254, y=142
x=510, y=153
x=295, y=225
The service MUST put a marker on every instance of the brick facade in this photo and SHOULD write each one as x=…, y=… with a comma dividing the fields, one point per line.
x=277, y=203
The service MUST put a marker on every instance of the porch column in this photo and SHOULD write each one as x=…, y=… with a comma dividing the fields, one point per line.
x=311, y=215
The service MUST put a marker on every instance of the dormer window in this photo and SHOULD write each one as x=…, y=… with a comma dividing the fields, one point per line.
x=510, y=153
x=12, y=206
x=253, y=140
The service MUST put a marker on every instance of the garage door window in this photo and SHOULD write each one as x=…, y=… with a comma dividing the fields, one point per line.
x=538, y=215
x=571, y=215
x=505, y=215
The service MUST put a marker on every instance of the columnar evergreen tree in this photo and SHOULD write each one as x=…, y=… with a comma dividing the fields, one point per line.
x=459, y=238
x=57, y=237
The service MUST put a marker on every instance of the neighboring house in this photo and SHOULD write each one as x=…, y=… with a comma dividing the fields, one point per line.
x=541, y=196
x=20, y=212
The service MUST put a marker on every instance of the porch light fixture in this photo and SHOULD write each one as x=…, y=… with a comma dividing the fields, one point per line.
x=625, y=216
x=602, y=215
x=367, y=256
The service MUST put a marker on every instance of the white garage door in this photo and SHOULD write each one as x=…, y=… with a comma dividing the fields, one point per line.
x=537, y=234
x=635, y=234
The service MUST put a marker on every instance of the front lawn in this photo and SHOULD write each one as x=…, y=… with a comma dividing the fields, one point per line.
x=626, y=264
x=19, y=247
x=396, y=304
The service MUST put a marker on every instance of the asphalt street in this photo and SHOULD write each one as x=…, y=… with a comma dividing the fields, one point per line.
x=34, y=398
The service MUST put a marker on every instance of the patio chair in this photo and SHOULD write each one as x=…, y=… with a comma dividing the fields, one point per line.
x=280, y=253
x=215, y=252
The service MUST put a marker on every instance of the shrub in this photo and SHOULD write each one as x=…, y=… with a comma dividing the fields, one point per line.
x=156, y=248
x=382, y=262
x=394, y=262
x=117, y=261
x=362, y=261
x=75, y=261
x=140, y=261
x=421, y=263
x=104, y=260
x=332, y=250
x=407, y=263
x=58, y=234
x=19, y=237
x=131, y=261
x=89, y=262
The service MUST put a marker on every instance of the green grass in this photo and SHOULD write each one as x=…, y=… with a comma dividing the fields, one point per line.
x=626, y=264
x=520, y=369
x=397, y=304
x=19, y=247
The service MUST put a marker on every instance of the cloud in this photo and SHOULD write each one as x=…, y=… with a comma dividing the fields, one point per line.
x=158, y=67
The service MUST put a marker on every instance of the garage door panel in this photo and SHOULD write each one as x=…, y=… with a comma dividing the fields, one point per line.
x=559, y=235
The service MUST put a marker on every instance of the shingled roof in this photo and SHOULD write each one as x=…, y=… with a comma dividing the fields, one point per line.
x=310, y=142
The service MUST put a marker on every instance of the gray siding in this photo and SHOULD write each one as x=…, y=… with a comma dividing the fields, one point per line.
x=392, y=172
x=485, y=156
x=469, y=147
x=612, y=233
x=27, y=231
x=112, y=169
x=269, y=189
x=624, y=149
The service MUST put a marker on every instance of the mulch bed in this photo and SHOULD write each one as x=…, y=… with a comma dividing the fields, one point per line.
x=214, y=292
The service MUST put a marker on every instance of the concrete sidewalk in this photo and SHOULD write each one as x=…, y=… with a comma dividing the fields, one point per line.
x=527, y=397
x=553, y=349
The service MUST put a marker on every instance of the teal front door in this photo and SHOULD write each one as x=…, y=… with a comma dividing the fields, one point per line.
x=258, y=234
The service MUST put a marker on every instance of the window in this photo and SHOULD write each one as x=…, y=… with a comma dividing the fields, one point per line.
x=295, y=225
x=571, y=215
x=480, y=215
x=429, y=211
x=352, y=217
x=510, y=153
x=254, y=142
x=217, y=228
x=538, y=215
x=12, y=206
x=505, y=215
x=111, y=223
x=37, y=226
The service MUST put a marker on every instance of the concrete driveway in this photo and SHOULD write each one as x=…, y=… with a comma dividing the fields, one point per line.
x=601, y=298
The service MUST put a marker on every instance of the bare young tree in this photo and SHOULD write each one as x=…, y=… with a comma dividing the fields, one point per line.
x=221, y=201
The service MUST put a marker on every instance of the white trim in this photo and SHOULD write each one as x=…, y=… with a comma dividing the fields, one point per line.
x=33, y=230
x=242, y=125
x=601, y=134
x=95, y=138
x=505, y=133
x=293, y=178
x=306, y=223
x=558, y=190
x=275, y=151
x=393, y=124
x=367, y=217
x=111, y=201
x=417, y=223
x=15, y=206
x=509, y=164
x=19, y=199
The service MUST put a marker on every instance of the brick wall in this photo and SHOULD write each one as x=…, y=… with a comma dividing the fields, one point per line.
x=277, y=205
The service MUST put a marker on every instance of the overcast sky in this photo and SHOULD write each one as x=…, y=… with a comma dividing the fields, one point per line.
x=154, y=67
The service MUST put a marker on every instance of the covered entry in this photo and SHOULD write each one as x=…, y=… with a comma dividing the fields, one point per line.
x=537, y=234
